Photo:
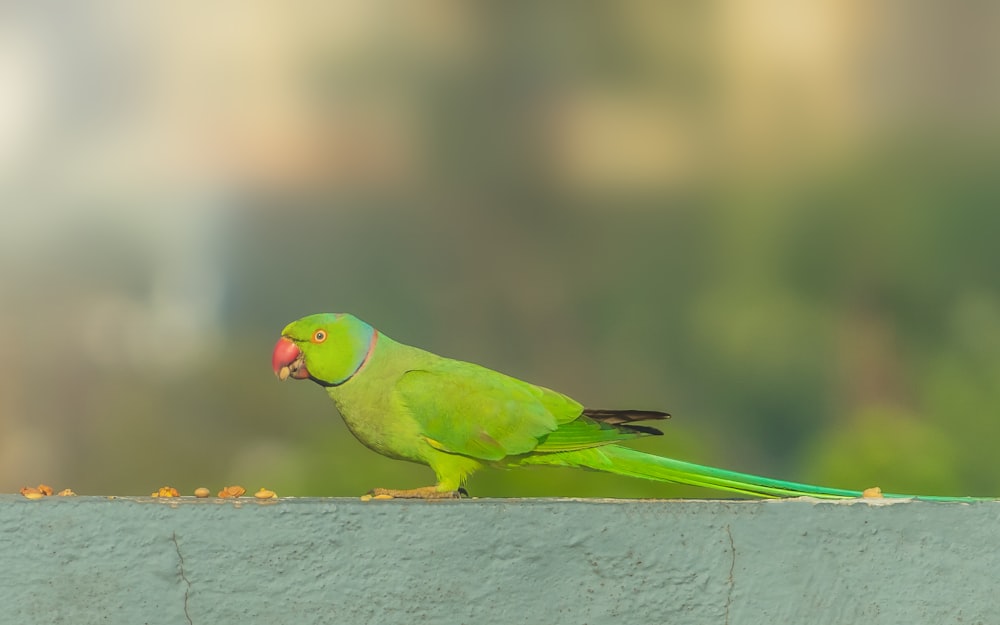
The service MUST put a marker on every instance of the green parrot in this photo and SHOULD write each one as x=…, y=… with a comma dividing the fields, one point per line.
x=457, y=417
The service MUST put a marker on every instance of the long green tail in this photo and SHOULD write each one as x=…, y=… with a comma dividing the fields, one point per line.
x=625, y=461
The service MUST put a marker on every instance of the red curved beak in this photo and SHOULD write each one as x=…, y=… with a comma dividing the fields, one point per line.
x=288, y=360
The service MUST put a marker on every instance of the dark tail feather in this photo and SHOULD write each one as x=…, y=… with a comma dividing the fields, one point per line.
x=615, y=417
x=625, y=418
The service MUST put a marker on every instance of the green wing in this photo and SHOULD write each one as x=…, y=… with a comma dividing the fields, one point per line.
x=470, y=410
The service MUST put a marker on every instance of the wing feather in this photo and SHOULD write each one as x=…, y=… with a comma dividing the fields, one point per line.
x=470, y=410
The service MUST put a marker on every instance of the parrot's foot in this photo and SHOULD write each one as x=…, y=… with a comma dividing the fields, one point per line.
x=426, y=492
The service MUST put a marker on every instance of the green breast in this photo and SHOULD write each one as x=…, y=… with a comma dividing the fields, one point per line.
x=369, y=406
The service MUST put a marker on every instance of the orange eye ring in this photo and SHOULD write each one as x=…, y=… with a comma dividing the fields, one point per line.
x=318, y=336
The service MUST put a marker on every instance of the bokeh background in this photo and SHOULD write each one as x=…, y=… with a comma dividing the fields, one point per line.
x=777, y=220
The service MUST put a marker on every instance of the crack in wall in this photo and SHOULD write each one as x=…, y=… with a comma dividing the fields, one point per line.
x=187, y=591
x=732, y=568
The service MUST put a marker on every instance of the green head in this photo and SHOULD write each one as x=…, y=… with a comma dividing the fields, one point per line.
x=328, y=348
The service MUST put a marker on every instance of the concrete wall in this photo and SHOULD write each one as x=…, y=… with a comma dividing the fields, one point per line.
x=136, y=560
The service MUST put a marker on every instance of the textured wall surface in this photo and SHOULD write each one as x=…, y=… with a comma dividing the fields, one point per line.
x=136, y=560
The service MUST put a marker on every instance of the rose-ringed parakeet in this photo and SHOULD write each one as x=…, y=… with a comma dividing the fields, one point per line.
x=457, y=417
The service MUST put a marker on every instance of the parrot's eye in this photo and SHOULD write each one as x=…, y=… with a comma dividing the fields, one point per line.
x=319, y=336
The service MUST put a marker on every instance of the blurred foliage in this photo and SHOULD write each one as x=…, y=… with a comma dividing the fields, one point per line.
x=777, y=223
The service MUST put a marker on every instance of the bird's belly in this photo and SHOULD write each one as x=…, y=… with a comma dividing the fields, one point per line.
x=377, y=426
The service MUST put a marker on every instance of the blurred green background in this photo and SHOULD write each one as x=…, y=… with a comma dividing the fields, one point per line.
x=776, y=220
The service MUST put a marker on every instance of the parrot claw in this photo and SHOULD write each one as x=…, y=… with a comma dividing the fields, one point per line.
x=426, y=492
